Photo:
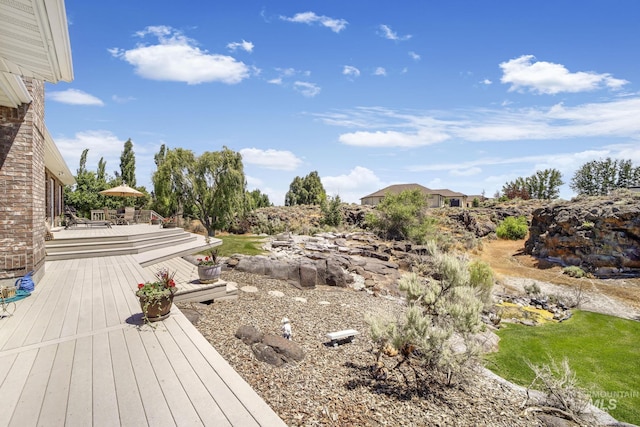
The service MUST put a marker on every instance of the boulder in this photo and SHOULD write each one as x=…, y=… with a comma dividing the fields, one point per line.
x=288, y=349
x=272, y=349
x=598, y=234
x=267, y=354
x=249, y=335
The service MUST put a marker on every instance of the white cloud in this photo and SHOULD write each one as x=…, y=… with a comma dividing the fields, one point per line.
x=549, y=78
x=465, y=171
x=392, y=138
x=176, y=57
x=382, y=127
x=271, y=159
x=122, y=99
x=486, y=82
x=380, y=71
x=336, y=25
x=104, y=144
x=414, y=56
x=307, y=89
x=350, y=187
x=74, y=97
x=244, y=45
x=388, y=33
x=350, y=70
x=276, y=81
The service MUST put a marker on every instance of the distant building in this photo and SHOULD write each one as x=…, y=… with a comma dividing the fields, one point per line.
x=436, y=198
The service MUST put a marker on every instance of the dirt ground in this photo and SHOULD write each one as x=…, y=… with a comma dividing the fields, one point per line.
x=514, y=269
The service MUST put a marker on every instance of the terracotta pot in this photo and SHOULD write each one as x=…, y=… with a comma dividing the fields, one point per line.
x=209, y=273
x=156, y=308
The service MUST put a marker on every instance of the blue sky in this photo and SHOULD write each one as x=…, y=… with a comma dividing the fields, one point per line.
x=463, y=95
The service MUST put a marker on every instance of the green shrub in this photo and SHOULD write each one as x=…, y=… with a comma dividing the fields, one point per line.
x=513, y=228
x=481, y=279
x=574, y=271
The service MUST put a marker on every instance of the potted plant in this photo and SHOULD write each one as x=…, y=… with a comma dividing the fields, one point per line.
x=209, y=268
x=156, y=297
x=170, y=222
x=154, y=219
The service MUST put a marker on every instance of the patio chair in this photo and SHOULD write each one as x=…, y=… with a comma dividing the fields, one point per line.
x=128, y=216
x=72, y=221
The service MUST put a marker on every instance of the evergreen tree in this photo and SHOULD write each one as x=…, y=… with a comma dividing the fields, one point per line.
x=306, y=191
x=128, y=164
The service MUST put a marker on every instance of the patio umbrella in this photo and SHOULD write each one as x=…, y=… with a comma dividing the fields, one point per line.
x=122, y=191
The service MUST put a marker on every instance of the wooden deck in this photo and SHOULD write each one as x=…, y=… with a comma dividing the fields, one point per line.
x=76, y=353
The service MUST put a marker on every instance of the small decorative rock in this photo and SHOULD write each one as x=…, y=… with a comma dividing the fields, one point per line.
x=276, y=294
x=324, y=303
x=300, y=299
x=249, y=289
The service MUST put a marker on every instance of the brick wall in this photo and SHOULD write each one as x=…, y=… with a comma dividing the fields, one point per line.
x=22, y=186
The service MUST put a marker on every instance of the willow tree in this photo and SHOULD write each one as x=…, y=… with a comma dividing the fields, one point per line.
x=169, y=179
x=215, y=188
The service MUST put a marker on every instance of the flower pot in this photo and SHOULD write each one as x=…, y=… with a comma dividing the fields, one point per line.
x=156, y=308
x=155, y=221
x=169, y=225
x=209, y=273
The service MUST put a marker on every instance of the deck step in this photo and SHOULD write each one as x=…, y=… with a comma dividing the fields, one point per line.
x=157, y=245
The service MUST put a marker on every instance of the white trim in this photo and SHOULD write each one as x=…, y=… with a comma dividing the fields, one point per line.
x=14, y=89
x=54, y=162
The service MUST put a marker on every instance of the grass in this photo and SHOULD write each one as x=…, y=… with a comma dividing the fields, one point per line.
x=240, y=244
x=603, y=351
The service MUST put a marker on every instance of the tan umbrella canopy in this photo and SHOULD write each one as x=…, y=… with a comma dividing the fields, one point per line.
x=122, y=191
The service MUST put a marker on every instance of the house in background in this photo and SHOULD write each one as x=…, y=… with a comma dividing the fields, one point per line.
x=435, y=198
x=34, y=49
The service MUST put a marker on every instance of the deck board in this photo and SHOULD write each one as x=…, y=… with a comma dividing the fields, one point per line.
x=54, y=405
x=75, y=353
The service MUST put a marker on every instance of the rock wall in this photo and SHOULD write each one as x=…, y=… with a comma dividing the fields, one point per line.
x=600, y=235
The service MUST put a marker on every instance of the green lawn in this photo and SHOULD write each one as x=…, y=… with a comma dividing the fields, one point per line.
x=240, y=244
x=603, y=351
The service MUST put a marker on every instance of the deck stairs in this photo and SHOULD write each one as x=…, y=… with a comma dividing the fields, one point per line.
x=148, y=247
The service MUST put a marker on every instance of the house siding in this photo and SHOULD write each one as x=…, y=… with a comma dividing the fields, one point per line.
x=22, y=186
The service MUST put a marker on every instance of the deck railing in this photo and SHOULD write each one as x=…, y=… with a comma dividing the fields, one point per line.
x=141, y=216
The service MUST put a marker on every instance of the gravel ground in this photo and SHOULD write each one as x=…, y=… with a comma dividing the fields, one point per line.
x=334, y=386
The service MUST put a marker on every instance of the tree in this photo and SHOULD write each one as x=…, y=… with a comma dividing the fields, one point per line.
x=128, y=164
x=402, y=216
x=332, y=215
x=306, y=191
x=516, y=189
x=215, y=186
x=543, y=185
x=256, y=200
x=600, y=177
x=84, y=195
x=169, y=179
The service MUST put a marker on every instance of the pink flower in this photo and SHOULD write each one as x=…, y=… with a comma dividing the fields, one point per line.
x=140, y=285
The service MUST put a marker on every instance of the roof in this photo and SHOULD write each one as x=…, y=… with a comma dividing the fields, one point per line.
x=34, y=42
x=447, y=193
x=398, y=188
x=54, y=162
